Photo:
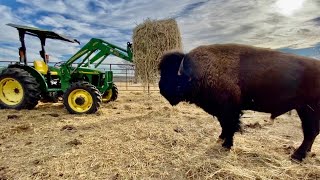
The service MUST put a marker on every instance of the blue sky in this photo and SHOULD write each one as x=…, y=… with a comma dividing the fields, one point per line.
x=289, y=25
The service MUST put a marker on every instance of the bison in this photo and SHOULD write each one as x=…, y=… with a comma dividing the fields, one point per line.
x=225, y=79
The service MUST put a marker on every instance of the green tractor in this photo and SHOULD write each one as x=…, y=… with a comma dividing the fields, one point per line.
x=77, y=81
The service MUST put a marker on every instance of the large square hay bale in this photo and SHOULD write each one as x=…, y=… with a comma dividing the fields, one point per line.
x=150, y=40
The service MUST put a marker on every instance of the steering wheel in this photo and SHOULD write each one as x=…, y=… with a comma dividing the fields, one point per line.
x=58, y=64
x=129, y=44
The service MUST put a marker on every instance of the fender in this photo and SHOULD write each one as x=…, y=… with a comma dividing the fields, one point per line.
x=42, y=82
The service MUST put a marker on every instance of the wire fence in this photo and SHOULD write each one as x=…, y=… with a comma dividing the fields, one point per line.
x=123, y=75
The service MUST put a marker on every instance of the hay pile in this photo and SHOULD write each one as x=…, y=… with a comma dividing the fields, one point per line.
x=150, y=40
x=137, y=137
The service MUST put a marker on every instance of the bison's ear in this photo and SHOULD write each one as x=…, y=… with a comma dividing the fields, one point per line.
x=185, y=68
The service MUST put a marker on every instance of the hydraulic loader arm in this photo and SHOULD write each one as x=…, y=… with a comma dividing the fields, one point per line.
x=96, y=50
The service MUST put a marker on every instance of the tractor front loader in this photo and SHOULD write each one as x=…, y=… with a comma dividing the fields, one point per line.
x=91, y=56
x=80, y=85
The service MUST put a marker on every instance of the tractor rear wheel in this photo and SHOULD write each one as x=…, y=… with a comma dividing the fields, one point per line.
x=82, y=97
x=18, y=89
x=111, y=94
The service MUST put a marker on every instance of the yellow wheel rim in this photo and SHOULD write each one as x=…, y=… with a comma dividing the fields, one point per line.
x=80, y=100
x=11, y=91
x=107, y=96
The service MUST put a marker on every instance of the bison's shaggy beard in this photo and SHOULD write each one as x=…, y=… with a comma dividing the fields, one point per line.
x=172, y=86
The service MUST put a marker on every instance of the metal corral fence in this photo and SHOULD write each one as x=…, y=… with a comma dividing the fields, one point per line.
x=123, y=74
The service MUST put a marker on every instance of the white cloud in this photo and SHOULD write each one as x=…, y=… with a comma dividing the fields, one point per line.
x=288, y=7
x=7, y=33
x=56, y=6
x=250, y=22
x=7, y=54
x=261, y=23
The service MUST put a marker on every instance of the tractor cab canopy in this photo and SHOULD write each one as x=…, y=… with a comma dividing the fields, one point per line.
x=42, y=35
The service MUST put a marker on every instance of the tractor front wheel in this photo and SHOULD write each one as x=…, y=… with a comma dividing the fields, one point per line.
x=18, y=89
x=82, y=97
x=111, y=94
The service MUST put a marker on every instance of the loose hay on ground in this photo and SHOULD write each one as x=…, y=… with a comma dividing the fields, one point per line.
x=163, y=143
x=150, y=39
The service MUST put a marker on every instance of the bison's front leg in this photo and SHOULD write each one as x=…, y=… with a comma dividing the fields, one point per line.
x=230, y=123
x=222, y=135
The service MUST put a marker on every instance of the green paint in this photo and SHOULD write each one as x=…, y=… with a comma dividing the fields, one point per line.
x=93, y=52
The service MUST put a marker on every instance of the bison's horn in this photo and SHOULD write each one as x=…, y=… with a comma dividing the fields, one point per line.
x=180, y=71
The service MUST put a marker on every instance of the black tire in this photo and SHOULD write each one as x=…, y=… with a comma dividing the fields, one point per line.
x=90, y=90
x=114, y=95
x=29, y=84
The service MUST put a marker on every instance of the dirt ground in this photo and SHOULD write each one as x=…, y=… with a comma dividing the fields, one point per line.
x=141, y=136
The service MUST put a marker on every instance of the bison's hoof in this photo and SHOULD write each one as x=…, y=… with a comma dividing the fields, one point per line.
x=224, y=149
x=227, y=145
x=220, y=141
x=296, y=157
x=269, y=122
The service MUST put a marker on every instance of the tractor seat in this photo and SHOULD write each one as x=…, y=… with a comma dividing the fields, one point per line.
x=42, y=67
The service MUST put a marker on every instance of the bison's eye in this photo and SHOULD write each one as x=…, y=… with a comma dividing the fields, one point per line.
x=183, y=85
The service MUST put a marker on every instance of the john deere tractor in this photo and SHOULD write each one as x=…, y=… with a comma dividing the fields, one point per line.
x=77, y=81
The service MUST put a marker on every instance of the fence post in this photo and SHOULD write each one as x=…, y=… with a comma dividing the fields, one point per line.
x=126, y=78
